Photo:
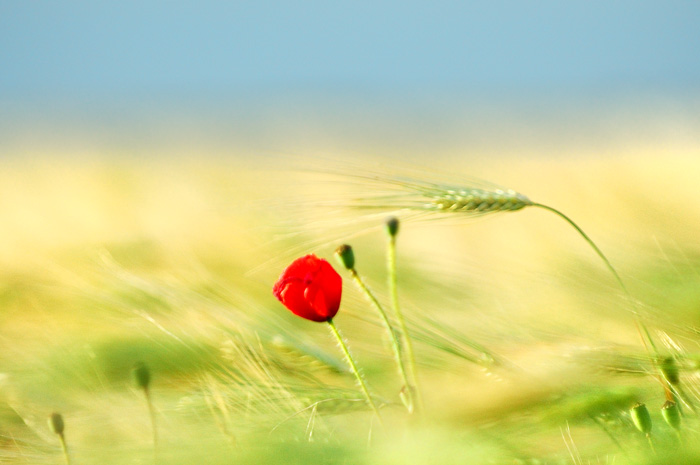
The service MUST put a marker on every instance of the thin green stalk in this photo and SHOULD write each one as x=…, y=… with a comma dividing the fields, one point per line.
x=609, y=434
x=152, y=414
x=680, y=394
x=644, y=333
x=589, y=240
x=392, y=336
x=355, y=371
x=651, y=443
x=141, y=376
x=646, y=337
x=393, y=290
x=62, y=438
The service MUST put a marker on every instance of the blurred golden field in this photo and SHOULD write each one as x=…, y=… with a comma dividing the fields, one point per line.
x=527, y=349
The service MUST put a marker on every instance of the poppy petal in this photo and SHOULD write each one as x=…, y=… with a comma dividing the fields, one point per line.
x=310, y=288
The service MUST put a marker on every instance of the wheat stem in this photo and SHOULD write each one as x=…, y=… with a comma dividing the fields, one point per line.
x=643, y=330
x=587, y=239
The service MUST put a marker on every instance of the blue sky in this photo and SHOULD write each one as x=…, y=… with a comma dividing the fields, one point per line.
x=64, y=49
x=356, y=75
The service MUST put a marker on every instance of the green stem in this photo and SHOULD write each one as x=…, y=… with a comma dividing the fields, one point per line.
x=680, y=394
x=62, y=438
x=152, y=414
x=393, y=290
x=355, y=371
x=589, y=240
x=392, y=336
x=651, y=443
x=607, y=431
x=640, y=324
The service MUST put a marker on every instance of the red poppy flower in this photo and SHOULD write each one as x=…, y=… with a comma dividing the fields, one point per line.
x=310, y=288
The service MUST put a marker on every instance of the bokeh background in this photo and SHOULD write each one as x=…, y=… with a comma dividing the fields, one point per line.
x=161, y=162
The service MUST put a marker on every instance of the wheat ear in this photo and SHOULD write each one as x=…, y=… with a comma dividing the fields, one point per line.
x=432, y=197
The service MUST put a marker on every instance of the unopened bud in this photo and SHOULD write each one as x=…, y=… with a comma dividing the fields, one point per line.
x=346, y=256
x=671, y=414
x=669, y=368
x=141, y=375
x=392, y=226
x=56, y=423
x=641, y=418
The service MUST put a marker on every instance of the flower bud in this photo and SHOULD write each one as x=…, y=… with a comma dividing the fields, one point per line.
x=671, y=414
x=669, y=368
x=346, y=256
x=56, y=423
x=141, y=375
x=392, y=226
x=641, y=418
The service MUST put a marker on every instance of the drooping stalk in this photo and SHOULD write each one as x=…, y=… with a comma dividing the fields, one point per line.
x=674, y=391
x=643, y=330
x=587, y=239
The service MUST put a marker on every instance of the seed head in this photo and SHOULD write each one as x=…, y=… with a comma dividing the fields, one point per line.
x=477, y=200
